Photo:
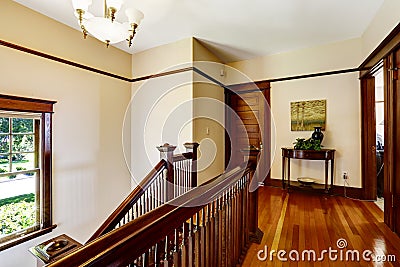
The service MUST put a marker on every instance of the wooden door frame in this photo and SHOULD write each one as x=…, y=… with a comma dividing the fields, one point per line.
x=388, y=161
x=368, y=141
x=259, y=86
x=385, y=51
x=392, y=140
x=368, y=137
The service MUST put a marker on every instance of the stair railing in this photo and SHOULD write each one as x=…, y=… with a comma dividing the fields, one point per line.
x=211, y=225
x=170, y=178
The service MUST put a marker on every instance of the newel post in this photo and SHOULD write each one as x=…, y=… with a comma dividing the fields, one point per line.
x=252, y=157
x=192, y=147
x=256, y=234
x=167, y=154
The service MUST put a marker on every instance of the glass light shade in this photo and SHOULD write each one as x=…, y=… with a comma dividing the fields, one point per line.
x=103, y=29
x=81, y=4
x=114, y=3
x=134, y=15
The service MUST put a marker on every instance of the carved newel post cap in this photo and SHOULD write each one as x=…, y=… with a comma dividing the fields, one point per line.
x=166, y=148
x=193, y=145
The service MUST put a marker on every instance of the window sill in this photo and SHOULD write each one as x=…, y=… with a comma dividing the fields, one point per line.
x=26, y=237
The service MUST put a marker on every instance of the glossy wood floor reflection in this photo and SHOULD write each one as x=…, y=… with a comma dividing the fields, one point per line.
x=316, y=222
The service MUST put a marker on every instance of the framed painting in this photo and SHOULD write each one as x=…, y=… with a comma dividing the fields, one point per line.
x=305, y=115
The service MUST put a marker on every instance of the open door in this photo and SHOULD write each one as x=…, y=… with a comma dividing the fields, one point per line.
x=250, y=102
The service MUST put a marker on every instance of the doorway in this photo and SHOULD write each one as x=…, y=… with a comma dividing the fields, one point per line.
x=381, y=154
x=380, y=136
x=373, y=134
x=250, y=103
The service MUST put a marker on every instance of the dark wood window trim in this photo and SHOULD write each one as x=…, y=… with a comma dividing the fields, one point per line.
x=45, y=109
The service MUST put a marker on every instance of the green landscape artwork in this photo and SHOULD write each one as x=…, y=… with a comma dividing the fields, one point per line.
x=305, y=115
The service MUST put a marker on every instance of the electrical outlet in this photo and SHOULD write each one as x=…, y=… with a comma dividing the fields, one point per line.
x=345, y=175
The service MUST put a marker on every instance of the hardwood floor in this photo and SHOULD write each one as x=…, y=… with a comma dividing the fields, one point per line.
x=305, y=221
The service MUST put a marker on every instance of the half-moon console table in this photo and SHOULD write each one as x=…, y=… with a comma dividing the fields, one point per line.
x=323, y=154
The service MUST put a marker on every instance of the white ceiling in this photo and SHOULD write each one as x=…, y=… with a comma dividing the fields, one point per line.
x=234, y=29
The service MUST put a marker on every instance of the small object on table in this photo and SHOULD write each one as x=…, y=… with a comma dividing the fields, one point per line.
x=306, y=180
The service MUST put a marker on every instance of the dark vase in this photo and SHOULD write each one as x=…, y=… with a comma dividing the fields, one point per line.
x=317, y=134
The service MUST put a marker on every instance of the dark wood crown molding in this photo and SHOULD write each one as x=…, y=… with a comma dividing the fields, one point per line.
x=152, y=76
x=84, y=67
x=386, y=46
x=61, y=60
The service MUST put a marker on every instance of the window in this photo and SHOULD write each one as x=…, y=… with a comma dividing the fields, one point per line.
x=25, y=169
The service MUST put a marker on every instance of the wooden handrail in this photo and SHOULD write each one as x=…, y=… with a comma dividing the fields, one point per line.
x=132, y=198
x=183, y=156
x=122, y=246
x=167, y=188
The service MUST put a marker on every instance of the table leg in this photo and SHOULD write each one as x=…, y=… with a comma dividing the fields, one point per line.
x=288, y=174
x=326, y=176
x=283, y=172
x=332, y=171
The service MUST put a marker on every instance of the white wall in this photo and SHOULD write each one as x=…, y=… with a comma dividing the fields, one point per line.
x=340, y=91
x=90, y=177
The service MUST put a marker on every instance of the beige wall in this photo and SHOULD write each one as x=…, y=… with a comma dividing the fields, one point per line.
x=384, y=22
x=90, y=177
x=161, y=58
x=340, y=91
x=161, y=108
x=35, y=31
x=208, y=114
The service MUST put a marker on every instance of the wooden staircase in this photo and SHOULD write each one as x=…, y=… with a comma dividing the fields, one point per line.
x=184, y=225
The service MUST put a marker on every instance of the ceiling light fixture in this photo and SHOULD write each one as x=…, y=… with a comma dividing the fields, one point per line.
x=107, y=29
